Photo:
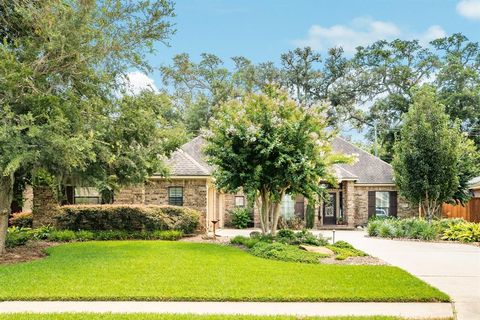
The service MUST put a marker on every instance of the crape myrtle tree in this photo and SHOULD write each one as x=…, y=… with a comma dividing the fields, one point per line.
x=269, y=145
x=62, y=65
x=431, y=154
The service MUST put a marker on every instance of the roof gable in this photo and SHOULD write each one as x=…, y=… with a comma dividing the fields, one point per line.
x=368, y=168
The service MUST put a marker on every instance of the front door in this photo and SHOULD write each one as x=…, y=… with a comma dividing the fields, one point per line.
x=330, y=209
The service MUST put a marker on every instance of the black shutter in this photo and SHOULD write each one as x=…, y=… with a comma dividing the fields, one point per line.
x=371, y=204
x=393, y=203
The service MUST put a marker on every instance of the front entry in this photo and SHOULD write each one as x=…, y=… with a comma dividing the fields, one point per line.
x=330, y=209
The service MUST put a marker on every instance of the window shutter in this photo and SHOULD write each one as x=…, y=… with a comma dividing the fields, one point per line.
x=371, y=204
x=393, y=203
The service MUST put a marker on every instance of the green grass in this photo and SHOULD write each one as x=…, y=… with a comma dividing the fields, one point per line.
x=146, y=316
x=162, y=270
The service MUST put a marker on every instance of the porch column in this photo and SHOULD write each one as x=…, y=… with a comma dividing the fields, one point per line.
x=348, y=188
x=317, y=222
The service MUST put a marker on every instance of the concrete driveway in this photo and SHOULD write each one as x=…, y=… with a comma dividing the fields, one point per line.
x=451, y=267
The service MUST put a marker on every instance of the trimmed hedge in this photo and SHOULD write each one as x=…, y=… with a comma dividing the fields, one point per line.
x=128, y=218
x=21, y=220
x=19, y=236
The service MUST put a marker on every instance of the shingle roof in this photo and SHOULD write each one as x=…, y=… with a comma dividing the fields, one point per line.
x=367, y=168
x=190, y=161
x=474, y=183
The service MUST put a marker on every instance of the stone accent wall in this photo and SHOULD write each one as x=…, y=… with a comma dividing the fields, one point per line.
x=130, y=195
x=348, y=193
x=155, y=192
x=27, y=199
x=229, y=205
x=361, y=203
x=45, y=207
x=194, y=192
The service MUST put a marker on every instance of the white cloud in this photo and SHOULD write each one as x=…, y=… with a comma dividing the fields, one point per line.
x=137, y=81
x=469, y=9
x=361, y=31
x=432, y=33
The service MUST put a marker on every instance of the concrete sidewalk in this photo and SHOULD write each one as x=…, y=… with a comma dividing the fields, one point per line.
x=410, y=310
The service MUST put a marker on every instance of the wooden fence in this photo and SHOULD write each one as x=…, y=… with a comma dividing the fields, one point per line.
x=469, y=212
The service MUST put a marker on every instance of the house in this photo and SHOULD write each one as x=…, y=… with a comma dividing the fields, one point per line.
x=474, y=186
x=365, y=189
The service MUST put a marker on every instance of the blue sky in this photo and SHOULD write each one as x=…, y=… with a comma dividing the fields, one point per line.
x=261, y=30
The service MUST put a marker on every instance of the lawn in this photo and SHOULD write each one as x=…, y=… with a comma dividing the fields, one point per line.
x=146, y=316
x=163, y=270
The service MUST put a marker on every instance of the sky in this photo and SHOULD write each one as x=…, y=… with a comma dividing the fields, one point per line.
x=262, y=30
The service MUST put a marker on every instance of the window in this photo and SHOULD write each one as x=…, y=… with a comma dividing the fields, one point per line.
x=382, y=204
x=239, y=201
x=287, y=207
x=86, y=195
x=175, y=196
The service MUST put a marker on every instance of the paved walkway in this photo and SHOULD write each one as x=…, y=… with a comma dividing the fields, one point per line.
x=410, y=310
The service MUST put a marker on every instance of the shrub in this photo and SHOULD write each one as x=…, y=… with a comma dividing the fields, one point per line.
x=373, y=226
x=413, y=228
x=245, y=241
x=255, y=234
x=61, y=236
x=386, y=229
x=294, y=223
x=128, y=218
x=284, y=252
x=84, y=235
x=344, y=250
x=16, y=237
x=106, y=235
x=465, y=232
x=168, y=235
x=21, y=220
x=240, y=217
x=41, y=233
x=306, y=237
x=286, y=234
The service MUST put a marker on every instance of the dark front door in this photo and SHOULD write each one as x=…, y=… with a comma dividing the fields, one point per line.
x=330, y=209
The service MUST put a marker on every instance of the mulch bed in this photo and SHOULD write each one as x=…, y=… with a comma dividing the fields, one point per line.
x=32, y=250
x=361, y=261
x=355, y=261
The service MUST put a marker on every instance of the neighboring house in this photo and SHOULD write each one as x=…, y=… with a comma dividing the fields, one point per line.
x=474, y=186
x=365, y=189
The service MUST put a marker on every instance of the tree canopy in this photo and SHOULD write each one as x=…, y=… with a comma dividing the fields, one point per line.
x=62, y=64
x=433, y=159
x=269, y=145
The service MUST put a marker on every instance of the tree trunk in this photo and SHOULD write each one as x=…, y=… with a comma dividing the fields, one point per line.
x=264, y=209
x=6, y=197
x=276, y=215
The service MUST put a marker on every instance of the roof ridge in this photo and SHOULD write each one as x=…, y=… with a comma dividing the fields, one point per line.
x=194, y=162
x=340, y=166
x=361, y=150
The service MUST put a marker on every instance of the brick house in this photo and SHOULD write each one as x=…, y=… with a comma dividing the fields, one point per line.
x=365, y=188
